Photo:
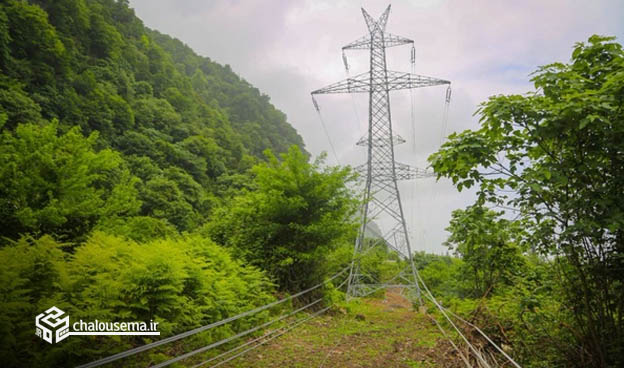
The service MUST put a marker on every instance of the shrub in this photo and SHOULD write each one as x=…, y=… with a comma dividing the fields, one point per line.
x=181, y=283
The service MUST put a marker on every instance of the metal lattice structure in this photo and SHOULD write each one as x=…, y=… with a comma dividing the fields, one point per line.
x=381, y=171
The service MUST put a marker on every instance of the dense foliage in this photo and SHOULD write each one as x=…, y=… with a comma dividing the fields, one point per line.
x=180, y=283
x=557, y=157
x=297, y=214
x=180, y=121
x=59, y=184
x=526, y=317
x=117, y=145
x=488, y=246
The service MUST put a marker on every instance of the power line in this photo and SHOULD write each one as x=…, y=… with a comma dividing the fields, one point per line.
x=238, y=347
x=443, y=309
x=154, y=344
x=241, y=334
x=461, y=354
x=509, y=358
x=234, y=337
x=412, y=103
x=445, y=113
x=353, y=102
x=303, y=320
x=264, y=336
x=433, y=299
x=318, y=112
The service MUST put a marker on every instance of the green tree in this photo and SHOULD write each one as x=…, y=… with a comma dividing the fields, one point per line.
x=59, y=184
x=488, y=246
x=560, y=152
x=163, y=199
x=16, y=104
x=37, y=53
x=445, y=276
x=296, y=215
x=155, y=113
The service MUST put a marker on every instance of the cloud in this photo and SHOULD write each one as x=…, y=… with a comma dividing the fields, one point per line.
x=289, y=48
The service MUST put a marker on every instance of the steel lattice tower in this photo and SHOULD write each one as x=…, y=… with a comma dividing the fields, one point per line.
x=381, y=171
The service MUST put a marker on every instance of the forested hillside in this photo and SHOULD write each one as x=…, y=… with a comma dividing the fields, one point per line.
x=126, y=160
x=181, y=123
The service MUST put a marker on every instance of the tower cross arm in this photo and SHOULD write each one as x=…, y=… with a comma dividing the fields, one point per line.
x=390, y=40
x=401, y=171
x=407, y=172
x=400, y=80
x=362, y=83
x=356, y=84
x=362, y=43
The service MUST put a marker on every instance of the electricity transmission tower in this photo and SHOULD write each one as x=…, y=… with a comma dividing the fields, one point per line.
x=381, y=171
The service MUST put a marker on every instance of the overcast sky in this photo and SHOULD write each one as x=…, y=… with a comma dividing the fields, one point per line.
x=288, y=48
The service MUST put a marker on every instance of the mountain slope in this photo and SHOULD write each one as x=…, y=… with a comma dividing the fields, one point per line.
x=184, y=124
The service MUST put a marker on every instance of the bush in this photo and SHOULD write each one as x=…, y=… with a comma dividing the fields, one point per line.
x=182, y=284
x=297, y=214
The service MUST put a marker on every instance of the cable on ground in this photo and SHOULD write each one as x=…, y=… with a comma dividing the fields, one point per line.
x=509, y=358
x=470, y=346
x=182, y=335
x=461, y=354
x=241, y=334
x=302, y=320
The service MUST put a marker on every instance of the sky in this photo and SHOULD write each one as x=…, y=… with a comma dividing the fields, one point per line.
x=288, y=48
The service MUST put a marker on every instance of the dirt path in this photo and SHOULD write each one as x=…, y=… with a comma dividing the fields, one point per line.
x=375, y=333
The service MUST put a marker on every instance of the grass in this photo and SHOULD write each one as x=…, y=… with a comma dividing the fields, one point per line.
x=384, y=332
